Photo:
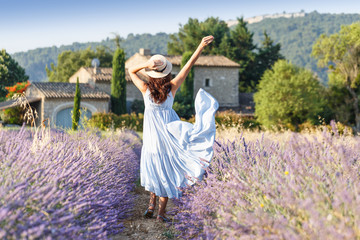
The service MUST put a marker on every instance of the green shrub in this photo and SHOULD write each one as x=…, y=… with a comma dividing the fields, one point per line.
x=184, y=111
x=334, y=128
x=106, y=121
x=225, y=119
x=137, y=106
x=288, y=96
x=102, y=121
x=230, y=119
x=13, y=115
x=183, y=105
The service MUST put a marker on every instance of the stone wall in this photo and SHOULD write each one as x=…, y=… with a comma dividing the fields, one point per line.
x=223, y=84
x=104, y=86
x=53, y=106
x=83, y=75
x=132, y=92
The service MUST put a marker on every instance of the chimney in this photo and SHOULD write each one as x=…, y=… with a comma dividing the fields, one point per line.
x=144, y=52
x=96, y=69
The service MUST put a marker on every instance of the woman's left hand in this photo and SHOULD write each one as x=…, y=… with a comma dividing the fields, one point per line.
x=153, y=64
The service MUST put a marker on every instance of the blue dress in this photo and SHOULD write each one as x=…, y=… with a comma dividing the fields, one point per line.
x=175, y=153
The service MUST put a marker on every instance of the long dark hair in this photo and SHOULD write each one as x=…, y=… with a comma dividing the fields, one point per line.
x=159, y=88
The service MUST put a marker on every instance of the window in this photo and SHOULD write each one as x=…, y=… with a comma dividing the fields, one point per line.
x=207, y=82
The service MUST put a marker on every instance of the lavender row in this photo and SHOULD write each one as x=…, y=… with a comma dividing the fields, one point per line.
x=54, y=185
x=276, y=187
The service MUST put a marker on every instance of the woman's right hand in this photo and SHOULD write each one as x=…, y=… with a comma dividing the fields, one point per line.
x=206, y=41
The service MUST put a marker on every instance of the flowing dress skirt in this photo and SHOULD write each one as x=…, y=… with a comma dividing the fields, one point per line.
x=175, y=153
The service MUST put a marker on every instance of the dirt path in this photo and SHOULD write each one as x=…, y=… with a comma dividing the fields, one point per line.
x=137, y=227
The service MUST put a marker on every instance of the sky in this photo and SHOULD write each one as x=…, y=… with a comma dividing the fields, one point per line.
x=30, y=24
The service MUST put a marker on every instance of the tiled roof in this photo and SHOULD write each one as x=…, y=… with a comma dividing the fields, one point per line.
x=204, y=61
x=105, y=74
x=14, y=103
x=67, y=90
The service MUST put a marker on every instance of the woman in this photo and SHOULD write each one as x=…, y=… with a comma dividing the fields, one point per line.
x=174, y=153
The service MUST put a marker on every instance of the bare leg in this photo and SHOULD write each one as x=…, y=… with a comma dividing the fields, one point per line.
x=162, y=205
x=150, y=210
x=152, y=201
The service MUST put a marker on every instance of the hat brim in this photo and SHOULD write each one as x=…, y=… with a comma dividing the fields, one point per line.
x=155, y=74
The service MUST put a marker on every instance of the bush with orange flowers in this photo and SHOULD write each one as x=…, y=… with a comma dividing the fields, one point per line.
x=19, y=87
x=14, y=115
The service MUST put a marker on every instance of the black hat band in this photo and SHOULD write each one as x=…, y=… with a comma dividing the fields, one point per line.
x=162, y=69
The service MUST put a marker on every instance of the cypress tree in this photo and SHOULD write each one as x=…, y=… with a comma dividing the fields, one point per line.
x=187, y=88
x=118, y=83
x=76, y=109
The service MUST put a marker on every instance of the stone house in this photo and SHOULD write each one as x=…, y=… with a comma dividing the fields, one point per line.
x=217, y=75
x=56, y=101
x=101, y=78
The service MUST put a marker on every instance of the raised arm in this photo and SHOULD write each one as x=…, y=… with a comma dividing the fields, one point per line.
x=140, y=84
x=179, y=79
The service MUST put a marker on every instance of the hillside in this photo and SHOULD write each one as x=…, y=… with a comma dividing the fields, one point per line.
x=34, y=61
x=296, y=36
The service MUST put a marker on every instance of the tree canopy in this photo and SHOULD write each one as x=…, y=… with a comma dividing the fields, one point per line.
x=340, y=53
x=288, y=96
x=190, y=35
x=236, y=44
x=10, y=73
x=70, y=61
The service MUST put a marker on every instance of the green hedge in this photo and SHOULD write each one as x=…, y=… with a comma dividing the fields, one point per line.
x=225, y=119
x=106, y=121
x=230, y=119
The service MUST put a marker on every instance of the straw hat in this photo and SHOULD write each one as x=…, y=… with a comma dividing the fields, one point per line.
x=161, y=71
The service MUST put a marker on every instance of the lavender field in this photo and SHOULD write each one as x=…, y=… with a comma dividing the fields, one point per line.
x=260, y=185
x=276, y=186
x=56, y=185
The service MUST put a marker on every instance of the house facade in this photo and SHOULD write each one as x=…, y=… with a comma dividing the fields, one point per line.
x=55, y=101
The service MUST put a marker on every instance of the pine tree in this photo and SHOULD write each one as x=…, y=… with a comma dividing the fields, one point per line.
x=76, y=109
x=267, y=55
x=118, y=83
x=241, y=40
